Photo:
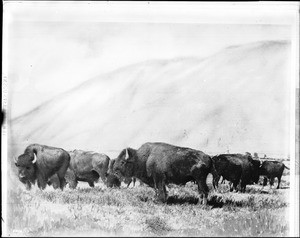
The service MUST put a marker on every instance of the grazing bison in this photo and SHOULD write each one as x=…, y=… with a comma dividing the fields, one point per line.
x=114, y=181
x=40, y=162
x=229, y=167
x=270, y=170
x=86, y=166
x=235, y=168
x=158, y=164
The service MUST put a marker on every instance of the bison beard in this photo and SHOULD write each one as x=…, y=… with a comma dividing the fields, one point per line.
x=40, y=162
x=158, y=164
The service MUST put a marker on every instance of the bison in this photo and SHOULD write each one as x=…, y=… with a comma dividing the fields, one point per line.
x=39, y=163
x=270, y=170
x=158, y=164
x=87, y=166
x=235, y=168
x=229, y=167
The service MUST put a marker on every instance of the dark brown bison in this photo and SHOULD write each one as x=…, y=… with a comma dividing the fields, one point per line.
x=40, y=162
x=86, y=166
x=236, y=168
x=158, y=164
x=270, y=170
x=229, y=167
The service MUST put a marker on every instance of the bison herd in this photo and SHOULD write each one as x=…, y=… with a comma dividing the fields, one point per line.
x=155, y=164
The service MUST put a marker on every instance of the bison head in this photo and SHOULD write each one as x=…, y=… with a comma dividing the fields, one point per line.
x=123, y=165
x=26, y=167
x=112, y=181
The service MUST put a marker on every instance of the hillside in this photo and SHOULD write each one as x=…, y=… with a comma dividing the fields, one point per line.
x=237, y=99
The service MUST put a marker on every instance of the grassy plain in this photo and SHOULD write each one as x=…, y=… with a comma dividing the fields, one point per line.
x=133, y=211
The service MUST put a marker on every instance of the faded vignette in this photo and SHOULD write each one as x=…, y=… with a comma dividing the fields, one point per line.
x=28, y=209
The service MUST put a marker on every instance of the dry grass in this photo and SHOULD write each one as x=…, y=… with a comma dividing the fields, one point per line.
x=102, y=211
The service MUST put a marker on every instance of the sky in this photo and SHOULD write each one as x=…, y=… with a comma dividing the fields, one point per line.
x=51, y=47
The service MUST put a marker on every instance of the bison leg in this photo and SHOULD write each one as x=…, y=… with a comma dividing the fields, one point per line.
x=62, y=182
x=203, y=191
x=155, y=185
x=91, y=183
x=162, y=192
x=61, y=177
x=271, y=182
x=128, y=184
x=230, y=186
x=216, y=179
x=234, y=185
x=265, y=181
x=61, y=173
x=243, y=186
x=200, y=173
x=160, y=187
x=133, y=180
x=72, y=180
x=41, y=183
x=279, y=179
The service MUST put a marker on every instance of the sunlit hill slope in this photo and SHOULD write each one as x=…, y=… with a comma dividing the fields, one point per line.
x=237, y=100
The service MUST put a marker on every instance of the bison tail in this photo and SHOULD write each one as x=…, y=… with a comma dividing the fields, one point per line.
x=286, y=167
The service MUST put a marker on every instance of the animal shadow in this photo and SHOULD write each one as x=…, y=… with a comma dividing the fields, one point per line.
x=175, y=199
x=214, y=202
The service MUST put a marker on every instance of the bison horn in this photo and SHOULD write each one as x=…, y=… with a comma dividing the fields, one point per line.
x=34, y=160
x=126, y=155
x=15, y=159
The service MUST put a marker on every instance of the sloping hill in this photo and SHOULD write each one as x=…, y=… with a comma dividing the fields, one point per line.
x=236, y=99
